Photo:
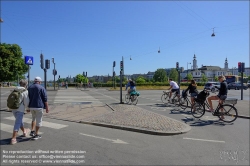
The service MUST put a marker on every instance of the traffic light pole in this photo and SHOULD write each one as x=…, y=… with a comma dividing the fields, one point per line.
x=241, y=85
x=45, y=78
x=121, y=87
x=54, y=76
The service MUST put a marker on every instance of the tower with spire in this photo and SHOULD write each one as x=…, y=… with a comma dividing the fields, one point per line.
x=195, y=63
x=226, y=64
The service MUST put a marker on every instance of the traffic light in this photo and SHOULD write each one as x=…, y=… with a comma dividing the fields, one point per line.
x=114, y=64
x=121, y=65
x=41, y=61
x=177, y=65
x=86, y=74
x=59, y=76
x=47, y=64
x=239, y=67
x=242, y=67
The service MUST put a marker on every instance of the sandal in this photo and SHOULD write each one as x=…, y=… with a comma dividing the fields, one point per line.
x=25, y=133
x=13, y=141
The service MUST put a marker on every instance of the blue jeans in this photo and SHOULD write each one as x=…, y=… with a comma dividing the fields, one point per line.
x=19, y=119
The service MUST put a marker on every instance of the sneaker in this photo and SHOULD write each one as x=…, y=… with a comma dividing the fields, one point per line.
x=13, y=141
x=32, y=133
x=36, y=137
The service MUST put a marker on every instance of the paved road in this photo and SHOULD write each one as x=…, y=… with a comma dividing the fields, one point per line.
x=209, y=142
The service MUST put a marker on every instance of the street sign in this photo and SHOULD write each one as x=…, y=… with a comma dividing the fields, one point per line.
x=28, y=60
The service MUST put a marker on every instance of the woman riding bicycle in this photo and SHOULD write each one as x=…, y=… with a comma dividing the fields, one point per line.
x=131, y=86
x=192, y=87
x=222, y=93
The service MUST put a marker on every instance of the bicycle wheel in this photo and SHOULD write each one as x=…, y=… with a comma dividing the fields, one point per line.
x=127, y=98
x=183, y=103
x=134, y=99
x=198, y=110
x=228, y=114
x=165, y=97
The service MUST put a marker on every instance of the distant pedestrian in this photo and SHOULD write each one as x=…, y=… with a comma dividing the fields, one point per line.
x=22, y=104
x=38, y=102
x=66, y=84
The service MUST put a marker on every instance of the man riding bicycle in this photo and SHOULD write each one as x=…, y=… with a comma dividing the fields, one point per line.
x=174, y=88
x=131, y=85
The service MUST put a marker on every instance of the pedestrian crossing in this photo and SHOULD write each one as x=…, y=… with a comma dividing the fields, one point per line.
x=27, y=123
x=72, y=97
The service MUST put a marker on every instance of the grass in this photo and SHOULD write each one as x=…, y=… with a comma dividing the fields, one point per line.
x=155, y=88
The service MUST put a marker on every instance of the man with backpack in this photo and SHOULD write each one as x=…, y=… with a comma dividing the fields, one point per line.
x=38, y=102
x=18, y=101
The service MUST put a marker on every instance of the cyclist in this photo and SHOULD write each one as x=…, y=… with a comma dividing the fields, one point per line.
x=131, y=85
x=174, y=88
x=222, y=95
x=192, y=87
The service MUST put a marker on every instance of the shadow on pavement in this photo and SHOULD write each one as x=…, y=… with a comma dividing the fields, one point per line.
x=194, y=122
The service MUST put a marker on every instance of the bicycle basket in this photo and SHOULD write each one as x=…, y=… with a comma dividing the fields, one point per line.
x=230, y=101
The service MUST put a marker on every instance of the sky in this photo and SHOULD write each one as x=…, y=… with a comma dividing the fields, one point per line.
x=88, y=36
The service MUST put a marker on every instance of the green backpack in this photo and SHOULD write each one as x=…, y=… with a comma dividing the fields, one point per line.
x=13, y=99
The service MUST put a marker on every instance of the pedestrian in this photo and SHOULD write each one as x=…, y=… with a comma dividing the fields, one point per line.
x=19, y=112
x=192, y=87
x=38, y=102
x=66, y=85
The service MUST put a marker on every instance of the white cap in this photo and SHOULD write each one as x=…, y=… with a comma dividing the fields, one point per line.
x=38, y=79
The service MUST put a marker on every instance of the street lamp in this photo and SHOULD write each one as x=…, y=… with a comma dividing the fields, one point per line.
x=187, y=66
x=54, y=73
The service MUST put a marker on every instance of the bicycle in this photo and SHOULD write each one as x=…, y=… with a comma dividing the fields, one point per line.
x=225, y=111
x=165, y=98
x=184, y=100
x=132, y=97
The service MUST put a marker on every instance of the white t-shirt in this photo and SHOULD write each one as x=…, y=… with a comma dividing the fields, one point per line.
x=174, y=85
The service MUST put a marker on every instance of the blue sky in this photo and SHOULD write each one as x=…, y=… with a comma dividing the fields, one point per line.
x=89, y=36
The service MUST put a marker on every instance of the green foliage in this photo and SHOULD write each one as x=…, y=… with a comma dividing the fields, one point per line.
x=160, y=75
x=11, y=62
x=140, y=79
x=189, y=76
x=216, y=78
x=174, y=75
x=204, y=78
x=81, y=79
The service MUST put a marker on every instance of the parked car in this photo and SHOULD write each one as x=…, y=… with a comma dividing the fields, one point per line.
x=236, y=86
x=211, y=86
x=248, y=84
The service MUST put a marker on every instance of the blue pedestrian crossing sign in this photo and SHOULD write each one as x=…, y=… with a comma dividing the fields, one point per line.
x=28, y=60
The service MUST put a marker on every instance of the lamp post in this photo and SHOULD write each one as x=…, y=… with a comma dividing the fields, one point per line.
x=54, y=73
x=187, y=67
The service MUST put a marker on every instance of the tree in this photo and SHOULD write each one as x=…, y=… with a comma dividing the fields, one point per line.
x=173, y=74
x=216, y=78
x=11, y=62
x=160, y=75
x=189, y=76
x=140, y=79
x=203, y=78
x=80, y=78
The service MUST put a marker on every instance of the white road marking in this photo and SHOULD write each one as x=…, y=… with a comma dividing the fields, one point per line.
x=196, y=139
x=118, y=141
x=5, y=93
x=9, y=128
x=44, y=123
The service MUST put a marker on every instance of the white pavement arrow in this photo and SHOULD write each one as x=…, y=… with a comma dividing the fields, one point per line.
x=118, y=141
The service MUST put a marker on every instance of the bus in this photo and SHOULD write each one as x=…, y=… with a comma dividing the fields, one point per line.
x=235, y=78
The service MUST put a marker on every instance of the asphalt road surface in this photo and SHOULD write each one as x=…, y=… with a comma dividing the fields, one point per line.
x=209, y=142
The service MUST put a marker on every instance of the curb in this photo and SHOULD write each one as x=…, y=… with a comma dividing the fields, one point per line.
x=134, y=129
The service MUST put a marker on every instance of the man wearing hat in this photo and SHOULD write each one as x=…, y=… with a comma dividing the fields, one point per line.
x=38, y=102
